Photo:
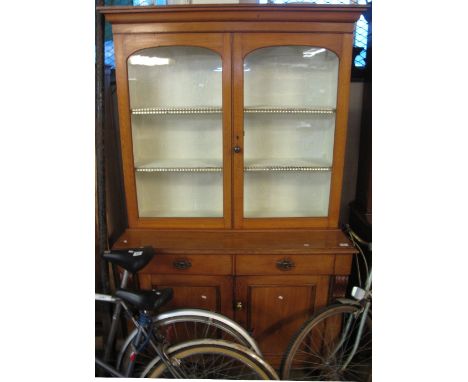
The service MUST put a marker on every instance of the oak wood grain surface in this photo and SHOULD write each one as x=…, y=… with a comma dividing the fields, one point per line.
x=238, y=12
x=300, y=265
x=238, y=242
x=274, y=307
x=202, y=292
x=219, y=264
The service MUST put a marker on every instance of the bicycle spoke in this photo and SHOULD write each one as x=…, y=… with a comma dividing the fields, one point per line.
x=323, y=348
x=211, y=364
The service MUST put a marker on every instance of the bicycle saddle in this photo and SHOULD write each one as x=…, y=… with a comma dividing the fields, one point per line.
x=131, y=259
x=146, y=299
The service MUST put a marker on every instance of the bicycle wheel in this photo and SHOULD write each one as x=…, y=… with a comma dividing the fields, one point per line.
x=211, y=359
x=181, y=326
x=320, y=348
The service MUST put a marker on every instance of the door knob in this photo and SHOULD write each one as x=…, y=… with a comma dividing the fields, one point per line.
x=239, y=305
x=237, y=149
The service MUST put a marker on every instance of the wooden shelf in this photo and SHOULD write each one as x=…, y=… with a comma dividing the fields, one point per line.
x=309, y=242
x=247, y=110
x=180, y=169
x=286, y=164
x=285, y=168
x=200, y=165
x=176, y=110
x=288, y=110
x=181, y=165
x=220, y=169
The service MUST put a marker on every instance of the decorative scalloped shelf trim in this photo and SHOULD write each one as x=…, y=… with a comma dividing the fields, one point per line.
x=220, y=169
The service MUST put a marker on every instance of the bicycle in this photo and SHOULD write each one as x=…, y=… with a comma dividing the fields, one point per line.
x=336, y=342
x=159, y=347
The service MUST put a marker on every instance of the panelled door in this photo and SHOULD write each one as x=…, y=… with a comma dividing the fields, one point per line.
x=213, y=293
x=289, y=128
x=272, y=308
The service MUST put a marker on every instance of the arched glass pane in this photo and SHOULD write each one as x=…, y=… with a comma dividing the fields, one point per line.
x=289, y=120
x=176, y=107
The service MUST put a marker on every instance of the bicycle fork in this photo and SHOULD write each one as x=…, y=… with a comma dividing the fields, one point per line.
x=145, y=330
x=358, y=335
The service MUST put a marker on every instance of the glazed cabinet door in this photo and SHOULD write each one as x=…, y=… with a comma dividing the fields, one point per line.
x=175, y=111
x=290, y=95
x=272, y=308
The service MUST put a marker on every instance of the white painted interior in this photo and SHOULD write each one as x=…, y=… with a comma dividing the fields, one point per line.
x=291, y=76
x=293, y=138
x=168, y=77
x=187, y=140
x=286, y=194
x=274, y=77
x=175, y=77
x=180, y=194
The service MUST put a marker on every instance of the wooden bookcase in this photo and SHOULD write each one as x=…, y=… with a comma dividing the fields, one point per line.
x=233, y=132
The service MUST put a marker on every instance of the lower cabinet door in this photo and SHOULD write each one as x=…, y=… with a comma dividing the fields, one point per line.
x=272, y=308
x=212, y=293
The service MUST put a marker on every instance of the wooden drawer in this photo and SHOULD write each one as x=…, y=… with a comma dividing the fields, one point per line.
x=284, y=264
x=190, y=264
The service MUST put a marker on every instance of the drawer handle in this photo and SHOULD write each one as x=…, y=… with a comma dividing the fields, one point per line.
x=182, y=264
x=285, y=264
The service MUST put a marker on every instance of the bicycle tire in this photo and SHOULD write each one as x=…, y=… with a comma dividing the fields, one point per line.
x=197, y=324
x=313, y=354
x=212, y=359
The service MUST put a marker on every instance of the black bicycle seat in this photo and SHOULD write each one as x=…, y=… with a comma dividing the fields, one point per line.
x=146, y=299
x=131, y=259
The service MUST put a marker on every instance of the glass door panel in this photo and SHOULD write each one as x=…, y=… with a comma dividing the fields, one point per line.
x=286, y=194
x=291, y=76
x=180, y=194
x=289, y=140
x=289, y=121
x=177, y=131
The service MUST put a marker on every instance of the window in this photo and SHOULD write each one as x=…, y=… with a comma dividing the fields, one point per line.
x=360, y=41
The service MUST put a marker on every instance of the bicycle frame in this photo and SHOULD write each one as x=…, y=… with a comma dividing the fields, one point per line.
x=365, y=311
x=115, y=316
x=108, y=368
x=119, y=304
x=159, y=350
